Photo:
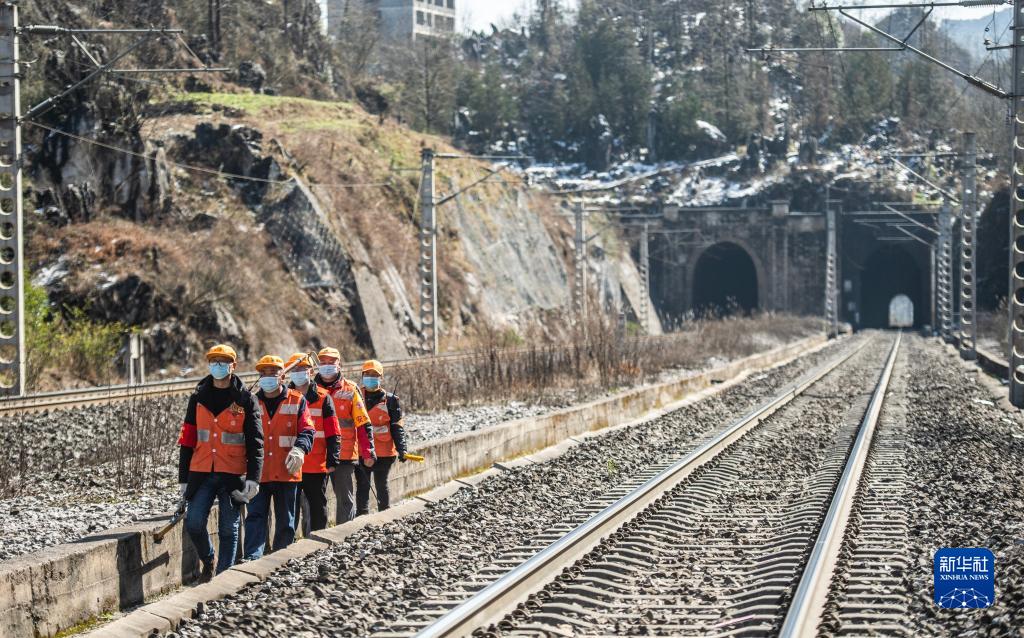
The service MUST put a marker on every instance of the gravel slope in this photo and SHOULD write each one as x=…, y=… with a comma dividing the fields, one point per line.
x=397, y=566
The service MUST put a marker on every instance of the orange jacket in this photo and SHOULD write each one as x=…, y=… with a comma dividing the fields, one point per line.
x=220, y=442
x=380, y=419
x=326, y=423
x=291, y=426
x=353, y=420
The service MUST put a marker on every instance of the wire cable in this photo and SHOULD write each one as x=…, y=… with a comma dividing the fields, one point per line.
x=198, y=169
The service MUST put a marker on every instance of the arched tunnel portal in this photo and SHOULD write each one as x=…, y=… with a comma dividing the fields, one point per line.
x=890, y=271
x=725, y=281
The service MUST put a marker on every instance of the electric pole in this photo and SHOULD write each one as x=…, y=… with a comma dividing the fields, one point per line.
x=831, y=275
x=579, y=284
x=645, y=277
x=968, y=251
x=1016, y=326
x=945, y=271
x=12, y=294
x=428, y=254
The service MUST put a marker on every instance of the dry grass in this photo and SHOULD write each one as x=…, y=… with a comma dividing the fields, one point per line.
x=589, y=362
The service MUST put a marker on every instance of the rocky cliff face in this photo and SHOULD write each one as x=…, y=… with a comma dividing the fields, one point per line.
x=279, y=224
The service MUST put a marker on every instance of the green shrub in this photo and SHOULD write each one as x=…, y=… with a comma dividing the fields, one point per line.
x=72, y=342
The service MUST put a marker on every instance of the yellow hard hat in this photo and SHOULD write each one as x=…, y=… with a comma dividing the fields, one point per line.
x=222, y=350
x=374, y=366
x=299, y=359
x=269, y=361
x=329, y=352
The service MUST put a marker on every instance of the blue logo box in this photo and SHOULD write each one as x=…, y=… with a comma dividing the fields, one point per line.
x=965, y=577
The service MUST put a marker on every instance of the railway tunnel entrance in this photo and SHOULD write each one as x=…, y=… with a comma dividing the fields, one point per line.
x=890, y=271
x=724, y=281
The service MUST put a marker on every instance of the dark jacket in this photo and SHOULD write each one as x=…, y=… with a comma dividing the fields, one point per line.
x=395, y=414
x=217, y=401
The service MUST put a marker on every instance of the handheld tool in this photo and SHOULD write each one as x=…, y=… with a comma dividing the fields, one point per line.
x=158, y=536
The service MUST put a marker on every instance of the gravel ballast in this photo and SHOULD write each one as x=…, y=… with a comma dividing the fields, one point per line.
x=960, y=464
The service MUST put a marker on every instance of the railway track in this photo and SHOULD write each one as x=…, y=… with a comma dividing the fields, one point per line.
x=738, y=537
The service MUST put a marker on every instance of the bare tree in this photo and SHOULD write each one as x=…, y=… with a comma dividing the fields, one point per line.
x=357, y=35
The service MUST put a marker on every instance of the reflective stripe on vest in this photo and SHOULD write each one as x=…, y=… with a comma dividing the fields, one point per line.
x=380, y=417
x=218, y=448
x=286, y=441
x=316, y=412
x=229, y=438
x=289, y=408
x=319, y=434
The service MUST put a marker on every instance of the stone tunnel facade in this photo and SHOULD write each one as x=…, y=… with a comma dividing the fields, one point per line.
x=696, y=249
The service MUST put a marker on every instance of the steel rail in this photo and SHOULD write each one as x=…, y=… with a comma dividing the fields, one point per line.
x=500, y=597
x=808, y=602
x=123, y=392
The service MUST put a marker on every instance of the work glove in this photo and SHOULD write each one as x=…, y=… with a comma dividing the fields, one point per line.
x=401, y=457
x=252, y=488
x=183, y=487
x=369, y=461
x=293, y=462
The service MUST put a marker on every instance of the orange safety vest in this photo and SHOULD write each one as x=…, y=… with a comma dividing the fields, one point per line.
x=316, y=460
x=279, y=438
x=381, y=421
x=220, y=442
x=351, y=415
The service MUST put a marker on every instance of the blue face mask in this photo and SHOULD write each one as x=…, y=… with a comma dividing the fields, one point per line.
x=328, y=370
x=299, y=378
x=371, y=383
x=269, y=384
x=220, y=370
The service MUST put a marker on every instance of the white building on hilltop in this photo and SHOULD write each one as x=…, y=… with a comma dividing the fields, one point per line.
x=401, y=19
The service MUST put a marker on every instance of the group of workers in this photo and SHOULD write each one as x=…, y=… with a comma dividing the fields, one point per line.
x=280, y=447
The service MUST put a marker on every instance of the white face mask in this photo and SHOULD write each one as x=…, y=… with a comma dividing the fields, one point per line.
x=328, y=370
x=300, y=378
x=269, y=384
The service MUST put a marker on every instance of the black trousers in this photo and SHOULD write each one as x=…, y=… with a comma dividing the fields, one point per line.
x=313, y=503
x=380, y=470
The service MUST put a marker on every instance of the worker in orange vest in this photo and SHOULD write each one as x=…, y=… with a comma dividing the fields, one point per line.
x=323, y=458
x=288, y=434
x=220, y=457
x=388, y=437
x=356, y=435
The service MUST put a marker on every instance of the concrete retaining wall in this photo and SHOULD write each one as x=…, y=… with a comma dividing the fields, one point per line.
x=65, y=586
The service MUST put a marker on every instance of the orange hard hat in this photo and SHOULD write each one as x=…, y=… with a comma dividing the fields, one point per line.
x=374, y=366
x=269, y=361
x=222, y=350
x=299, y=359
x=329, y=352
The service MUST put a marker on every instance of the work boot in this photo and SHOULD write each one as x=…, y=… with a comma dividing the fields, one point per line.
x=206, y=575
